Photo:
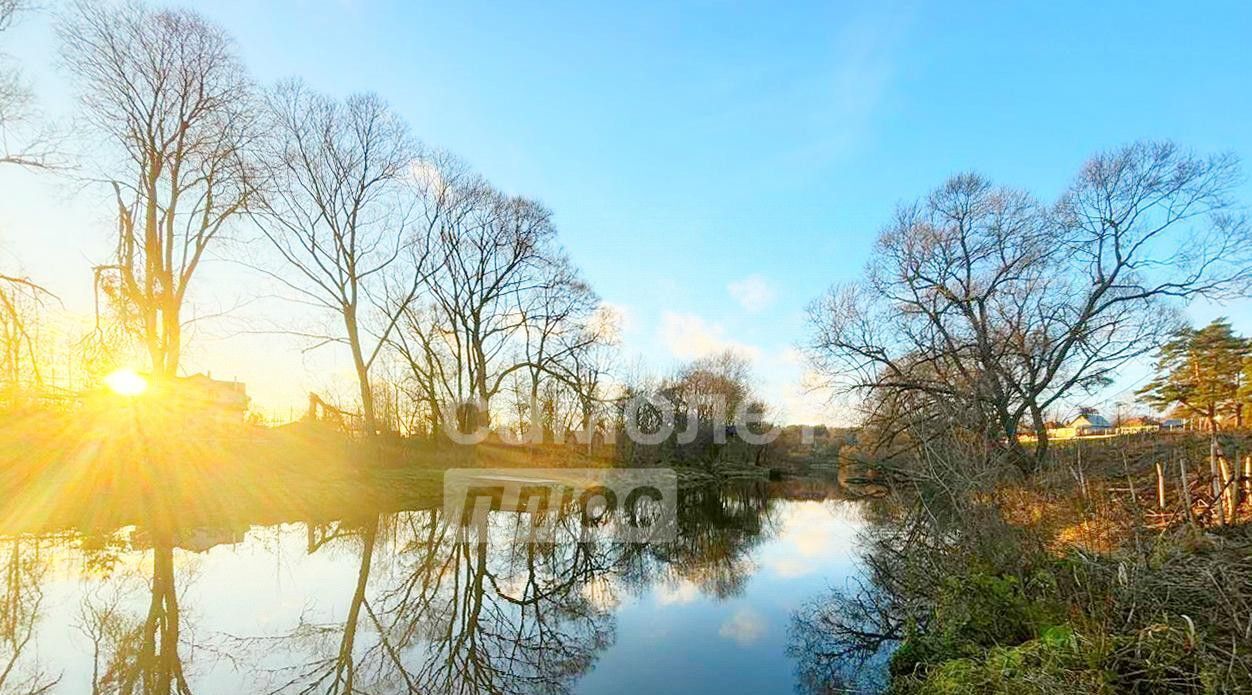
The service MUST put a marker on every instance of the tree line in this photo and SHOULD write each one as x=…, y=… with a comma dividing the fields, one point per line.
x=461, y=292
x=454, y=300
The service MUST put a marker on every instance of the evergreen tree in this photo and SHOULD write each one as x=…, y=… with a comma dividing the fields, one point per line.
x=1202, y=372
x=1245, y=389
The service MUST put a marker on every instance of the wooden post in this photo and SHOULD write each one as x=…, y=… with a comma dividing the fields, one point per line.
x=1186, y=490
x=1226, y=503
x=1215, y=480
x=1134, y=496
x=1160, y=485
x=1082, y=478
x=1215, y=477
x=1247, y=477
x=1236, y=491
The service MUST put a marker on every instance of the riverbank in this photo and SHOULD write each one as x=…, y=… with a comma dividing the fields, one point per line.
x=1078, y=579
x=100, y=471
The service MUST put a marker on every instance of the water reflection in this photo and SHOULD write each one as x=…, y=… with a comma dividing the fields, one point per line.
x=19, y=609
x=385, y=601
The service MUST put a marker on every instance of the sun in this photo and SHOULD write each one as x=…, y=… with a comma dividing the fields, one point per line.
x=126, y=382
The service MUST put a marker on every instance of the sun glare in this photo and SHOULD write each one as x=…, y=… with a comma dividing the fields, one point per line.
x=126, y=382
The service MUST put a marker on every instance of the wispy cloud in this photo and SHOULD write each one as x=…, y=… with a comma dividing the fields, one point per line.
x=753, y=293
x=849, y=92
x=678, y=593
x=688, y=336
x=745, y=628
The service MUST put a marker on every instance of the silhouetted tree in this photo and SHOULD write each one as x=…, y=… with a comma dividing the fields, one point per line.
x=500, y=300
x=336, y=207
x=20, y=300
x=165, y=91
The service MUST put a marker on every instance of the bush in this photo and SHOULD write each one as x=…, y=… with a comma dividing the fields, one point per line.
x=1054, y=663
x=974, y=613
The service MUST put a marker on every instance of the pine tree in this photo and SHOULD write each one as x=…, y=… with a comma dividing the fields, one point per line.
x=1202, y=372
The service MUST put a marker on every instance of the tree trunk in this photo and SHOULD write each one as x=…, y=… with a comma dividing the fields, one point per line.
x=369, y=420
x=345, y=669
x=1041, y=437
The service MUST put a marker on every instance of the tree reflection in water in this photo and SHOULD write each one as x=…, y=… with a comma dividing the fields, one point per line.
x=428, y=610
x=842, y=641
x=135, y=651
x=20, y=602
x=455, y=614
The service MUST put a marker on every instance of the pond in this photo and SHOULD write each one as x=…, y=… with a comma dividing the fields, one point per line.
x=394, y=602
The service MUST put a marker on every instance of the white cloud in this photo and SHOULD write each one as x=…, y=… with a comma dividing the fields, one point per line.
x=688, y=336
x=745, y=627
x=678, y=593
x=753, y=293
x=810, y=533
x=790, y=567
x=805, y=400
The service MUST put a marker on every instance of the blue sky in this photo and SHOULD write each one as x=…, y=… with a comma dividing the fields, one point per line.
x=688, y=148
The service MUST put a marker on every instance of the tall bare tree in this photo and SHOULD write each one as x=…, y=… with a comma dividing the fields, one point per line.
x=987, y=301
x=487, y=271
x=336, y=207
x=20, y=363
x=499, y=293
x=20, y=296
x=22, y=142
x=556, y=315
x=590, y=357
x=165, y=91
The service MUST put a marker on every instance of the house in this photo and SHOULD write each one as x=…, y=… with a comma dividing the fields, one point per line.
x=1173, y=424
x=1090, y=424
x=211, y=401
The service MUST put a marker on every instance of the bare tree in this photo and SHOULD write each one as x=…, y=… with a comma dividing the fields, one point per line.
x=20, y=297
x=21, y=599
x=499, y=293
x=485, y=271
x=713, y=387
x=590, y=359
x=984, y=300
x=337, y=208
x=166, y=90
x=20, y=301
x=18, y=144
x=555, y=316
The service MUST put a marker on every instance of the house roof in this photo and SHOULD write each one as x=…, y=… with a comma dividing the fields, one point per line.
x=1092, y=420
x=210, y=391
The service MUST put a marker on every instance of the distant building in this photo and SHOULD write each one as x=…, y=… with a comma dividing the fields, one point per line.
x=210, y=401
x=1090, y=424
x=1173, y=424
x=1135, y=425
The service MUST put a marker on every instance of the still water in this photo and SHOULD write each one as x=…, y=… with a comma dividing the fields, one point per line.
x=392, y=602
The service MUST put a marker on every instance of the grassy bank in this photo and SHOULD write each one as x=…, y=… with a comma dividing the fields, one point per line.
x=1076, y=579
x=97, y=470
